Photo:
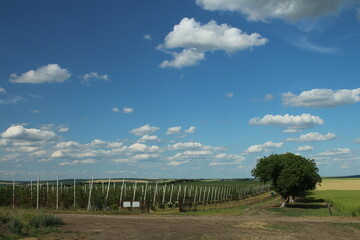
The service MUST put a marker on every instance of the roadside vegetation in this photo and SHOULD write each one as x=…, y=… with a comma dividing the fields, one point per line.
x=19, y=223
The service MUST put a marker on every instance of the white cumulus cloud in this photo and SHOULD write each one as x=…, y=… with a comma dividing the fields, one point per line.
x=147, y=37
x=262, y=10
x=45, y=74
x=322, y=98
x=293, y=123
x=64, y=129
x=173, y=130
x=196, y=39
x=336, y=152
x=305, y=148
x=127, y=110
x=147, y=138
x=190, y=130
x=115, y=109
x=185, y=145
x=144, y=130
x=86, y=78
x=313, y=137
x=2, y=90
x=264, y=147
x=30, y=134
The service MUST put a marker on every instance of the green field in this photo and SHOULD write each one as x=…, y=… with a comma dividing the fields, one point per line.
x=345, y=201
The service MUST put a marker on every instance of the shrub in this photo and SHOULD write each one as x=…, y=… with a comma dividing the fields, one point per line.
x=15, y=226
x=4, y=217
x=44, y=220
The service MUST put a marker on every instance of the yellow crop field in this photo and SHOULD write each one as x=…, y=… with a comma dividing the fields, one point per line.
x=339, y=184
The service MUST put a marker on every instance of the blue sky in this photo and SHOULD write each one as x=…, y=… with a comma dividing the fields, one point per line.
x=177, y=89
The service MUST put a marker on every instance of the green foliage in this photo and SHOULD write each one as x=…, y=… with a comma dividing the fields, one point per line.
x=15, y=226
x=4, y=217
x=289, y=174
x=45, y=220
x=27, y=223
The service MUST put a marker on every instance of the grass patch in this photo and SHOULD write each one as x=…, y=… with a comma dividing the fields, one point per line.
x=305, y=206
x=345, y=201
x=16, y=224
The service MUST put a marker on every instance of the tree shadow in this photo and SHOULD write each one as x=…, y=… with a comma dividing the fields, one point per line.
x=307, y=202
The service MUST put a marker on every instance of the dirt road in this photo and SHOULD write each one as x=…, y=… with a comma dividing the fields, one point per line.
x=206, y=227
x=254, y=223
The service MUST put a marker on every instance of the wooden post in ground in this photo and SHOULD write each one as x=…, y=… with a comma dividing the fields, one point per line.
x=31, y=192
x=13, y=193
x=57, y=192
x=178, y=194
x=90, y=190
x=195, y=198
x=107, y=191
x=205, y=189
x=163, y=199
x=74, y=194
x=146, y=184
x=47, y=194
x=134, y=194
x=184, y=198
x=121, y=194
x=171, y=193
x=37, y=192
x=155, y=192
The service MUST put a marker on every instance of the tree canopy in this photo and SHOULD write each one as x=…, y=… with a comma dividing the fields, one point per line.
x=289, y=174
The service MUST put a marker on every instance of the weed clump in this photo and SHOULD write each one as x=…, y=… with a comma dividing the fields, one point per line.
x=45, y=220
x=28, y=224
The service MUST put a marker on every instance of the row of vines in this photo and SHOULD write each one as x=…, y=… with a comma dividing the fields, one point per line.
x=111, y=195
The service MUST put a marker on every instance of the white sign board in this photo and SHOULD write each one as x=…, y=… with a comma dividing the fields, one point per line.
x=136, y=204
x=126, y=204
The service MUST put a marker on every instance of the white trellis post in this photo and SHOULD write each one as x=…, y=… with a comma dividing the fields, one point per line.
x=47, y=194
x=195, y=197
x=184, y=194
x=155, y=191
x=205, y=189
x=171, y=192
x=37, y=192
x=13, y=193
x=90, y=190
x=134, y=194
x=146, y=184
x=121, y=193
x=74, y=194
x=163, y=199
x=31, y=192
x=107, y=191
x=208, y=194
x=178, y=194
x=57, y=193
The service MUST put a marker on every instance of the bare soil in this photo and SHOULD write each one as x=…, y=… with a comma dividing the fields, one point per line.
x=254, y=223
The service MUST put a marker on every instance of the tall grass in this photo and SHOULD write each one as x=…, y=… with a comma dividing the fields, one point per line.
x=27, y=223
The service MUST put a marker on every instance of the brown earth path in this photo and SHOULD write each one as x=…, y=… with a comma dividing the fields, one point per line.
x=254, y=223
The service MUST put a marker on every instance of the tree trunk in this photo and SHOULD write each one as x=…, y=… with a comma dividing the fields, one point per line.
x=285, y=201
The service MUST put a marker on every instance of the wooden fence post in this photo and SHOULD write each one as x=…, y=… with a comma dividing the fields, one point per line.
x=74, y=194
x=37, y=193
x=121, y=194
x=13, y=193
x=90, y=190
x=57, y=192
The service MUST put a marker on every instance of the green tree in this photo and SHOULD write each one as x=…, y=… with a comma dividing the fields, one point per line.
x=290, y=174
